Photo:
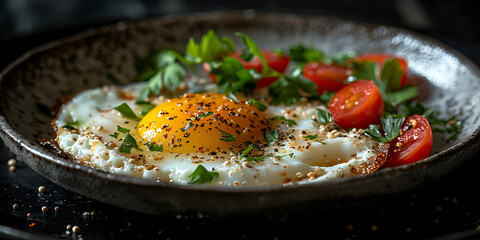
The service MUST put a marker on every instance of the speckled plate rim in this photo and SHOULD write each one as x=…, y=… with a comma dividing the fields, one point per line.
x=17, y=143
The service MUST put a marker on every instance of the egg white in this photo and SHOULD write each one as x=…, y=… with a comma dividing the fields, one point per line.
x=295, y=160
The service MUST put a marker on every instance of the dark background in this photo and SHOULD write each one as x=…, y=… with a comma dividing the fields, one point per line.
x=448, y=209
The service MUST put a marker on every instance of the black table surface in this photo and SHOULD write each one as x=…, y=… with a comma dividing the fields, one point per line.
x=447, y=209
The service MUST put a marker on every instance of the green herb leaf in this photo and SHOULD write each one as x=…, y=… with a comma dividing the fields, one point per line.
x=165, y=71
x=398, y=97
x=72, y=125
x=262, y=107
x=389, y=82
x=126, y=111
x=155, y=147
x=115, y=135
x=253, y=48
x=326, y=96
x=146, y=107
x=391, y=125
x=226, y=137
x=271, y=137
x=450, y=127
x=304, y=54
x=123, y=130
x=290, y=90
x=128, y=143
x=324, y=116
x=210, y=48
x=257, y=159
x=289, y=122
x=249, y=148
x=232, y=76
x=340, y=58
x=206, y=114
x=202, y=176
x=247, y=55
x=311, y=137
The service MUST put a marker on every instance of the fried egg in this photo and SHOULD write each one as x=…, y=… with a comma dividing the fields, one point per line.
x=227, y=137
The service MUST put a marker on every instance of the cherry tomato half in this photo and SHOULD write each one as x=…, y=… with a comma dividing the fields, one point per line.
x=328, y=77
x=414, y=142
x=380, y=58
x=277, y=62
x=357, y=105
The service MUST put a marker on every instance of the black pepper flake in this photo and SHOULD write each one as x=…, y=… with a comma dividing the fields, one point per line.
x=213, y=153
x=186, y=135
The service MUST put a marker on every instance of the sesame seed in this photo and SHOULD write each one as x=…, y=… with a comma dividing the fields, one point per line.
x=76, y=229
x=15, y=206
x=69, y=227
x=12, y=162
x=41, y=189
x=29, y=215
x=374, y=228
x=44, y=209
x=12, y=168
x=56, y=209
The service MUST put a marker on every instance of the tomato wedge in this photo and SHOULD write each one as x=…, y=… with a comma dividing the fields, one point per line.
x=379, y=58
x=277, y=62
x=414, y=142
x=328, y=77
x=357, y=105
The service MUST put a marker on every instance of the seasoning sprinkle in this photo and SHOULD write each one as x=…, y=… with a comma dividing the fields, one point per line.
x=41, y=189
x=15, y=206
x=44, y=209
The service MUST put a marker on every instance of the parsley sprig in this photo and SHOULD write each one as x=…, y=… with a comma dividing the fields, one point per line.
x=391, y=125
x=168, y=72
x=387, y=81
x=202, y=176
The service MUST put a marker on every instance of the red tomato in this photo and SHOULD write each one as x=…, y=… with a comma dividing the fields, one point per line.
x=328, y=77
x=414, y=142
x=277, y=62
x=380, y=58
x=357, y=105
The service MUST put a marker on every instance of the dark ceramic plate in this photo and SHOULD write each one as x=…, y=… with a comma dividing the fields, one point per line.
x=449, y=82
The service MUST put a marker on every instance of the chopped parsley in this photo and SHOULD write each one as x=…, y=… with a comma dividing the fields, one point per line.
x=311, y=137
x=389, y=82
x=289, y=122
x=226, y=137
x=155, y=147
x=262, y=107
x=206, y=114
x=202, y=176
x=324, y=116
x=271, y=137
x=115, y=135
x=128, y=143
x=126, y=111
x=391, y=125
x=168, y=72
x=72, y=125
x=450, y=127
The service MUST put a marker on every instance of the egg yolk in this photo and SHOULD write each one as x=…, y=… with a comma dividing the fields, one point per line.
x=206, y=122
